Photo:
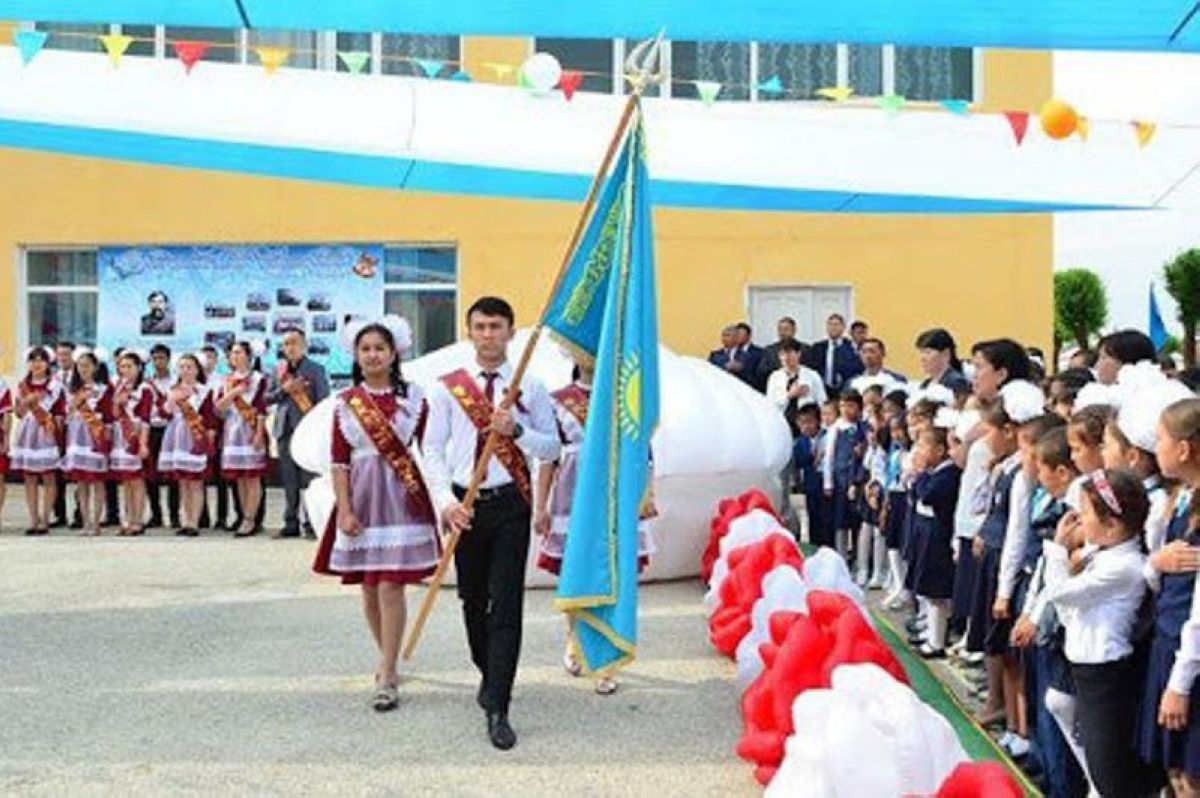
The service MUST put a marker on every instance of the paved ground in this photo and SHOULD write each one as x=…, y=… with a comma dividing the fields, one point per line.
x=174, y=666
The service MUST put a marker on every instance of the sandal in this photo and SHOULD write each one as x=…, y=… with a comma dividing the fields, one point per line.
x=571, y=664
x=606, y=686
x=387, y=697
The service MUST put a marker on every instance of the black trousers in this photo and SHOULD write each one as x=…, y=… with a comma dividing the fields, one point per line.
x=294, y=479
x=490, y=560
x=153, y=486
x=1107, y=704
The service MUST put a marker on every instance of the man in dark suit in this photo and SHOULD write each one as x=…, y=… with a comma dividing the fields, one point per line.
x=772, y=361
x=751, y=358
x=834, y=357
x=299, y=384
x=737, y=355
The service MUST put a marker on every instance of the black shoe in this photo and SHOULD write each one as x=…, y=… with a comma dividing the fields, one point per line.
x=58, y=520
x=155, y=522
x=500, y=733
x=204, y=522
x=927, y=652
x=76, y=523
x=309, y=532
x=175, y=522
x=234, y=525
x=284, y=534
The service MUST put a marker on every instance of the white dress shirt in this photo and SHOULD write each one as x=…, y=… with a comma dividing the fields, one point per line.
x=450, y=436
x=1016, y=536
x=777, y=387
x=967, y=518
x=1098, y=606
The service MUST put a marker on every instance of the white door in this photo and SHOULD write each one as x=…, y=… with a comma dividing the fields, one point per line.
x=810, y=306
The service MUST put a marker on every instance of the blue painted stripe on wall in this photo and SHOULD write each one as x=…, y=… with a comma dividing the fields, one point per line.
x=448, y=178
x=1031, y=24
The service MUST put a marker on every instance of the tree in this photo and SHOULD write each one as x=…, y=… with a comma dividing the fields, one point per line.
x=1182, y=276
x=1080, y=307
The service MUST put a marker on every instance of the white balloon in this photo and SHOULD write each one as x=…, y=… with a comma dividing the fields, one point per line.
x=542, y=72
x=867, y=736
x=827, y=570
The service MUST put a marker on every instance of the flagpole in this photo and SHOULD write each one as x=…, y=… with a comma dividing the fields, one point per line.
x=468, y=502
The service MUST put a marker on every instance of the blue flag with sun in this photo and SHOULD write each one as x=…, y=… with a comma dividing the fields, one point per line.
x=612, y=296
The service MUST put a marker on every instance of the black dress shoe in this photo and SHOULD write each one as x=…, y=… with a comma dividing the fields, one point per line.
x=58, y=520
x=155, y=522
x=309, y=532
x=286, y=533
x=500, y=733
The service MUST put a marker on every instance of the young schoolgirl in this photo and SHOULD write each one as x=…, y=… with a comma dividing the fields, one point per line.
x=555, y=493
x=88, y=440
x=36, y=452
x=1097, y=592
x=920, y=418
x=970, y=450
x=872, y=548
x=1019, y=402
x=129, y=462
x=188, y=440
x=1018, y=556
x=383, y=534
x=242, y=408
x=1168, y=726
x=1048, y=686
x=895, y=508
x=936, y=492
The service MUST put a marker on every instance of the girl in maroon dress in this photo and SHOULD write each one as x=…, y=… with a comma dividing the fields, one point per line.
x=129, y=461
x=88, y=442
x=383, y=533
x=188, y=440
x=242, y=410
x=36, y=452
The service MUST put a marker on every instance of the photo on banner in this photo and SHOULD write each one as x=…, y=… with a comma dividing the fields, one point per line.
x=186, y=296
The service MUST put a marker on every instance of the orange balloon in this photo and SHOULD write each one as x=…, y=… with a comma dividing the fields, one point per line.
x=1059, y=120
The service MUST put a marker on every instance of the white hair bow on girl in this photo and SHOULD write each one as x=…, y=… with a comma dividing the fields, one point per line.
x=396, y=325
x=1022, y=401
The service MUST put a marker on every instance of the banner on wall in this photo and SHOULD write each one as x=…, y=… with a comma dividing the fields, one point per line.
x=186, y=297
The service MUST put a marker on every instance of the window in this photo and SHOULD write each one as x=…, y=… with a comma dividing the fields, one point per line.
x=143, y=39
x=864, y=70
x=935, y=73
x=302, y=43
x=399, y=52
x=61, y=296
x=592, y=57
x=727, y=63
x=801, y=69
x=420, y=285
x=356, y=43
x=224, y=42
x=73, y=36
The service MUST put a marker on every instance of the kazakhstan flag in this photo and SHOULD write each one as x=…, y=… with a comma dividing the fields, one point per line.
x=606, y=307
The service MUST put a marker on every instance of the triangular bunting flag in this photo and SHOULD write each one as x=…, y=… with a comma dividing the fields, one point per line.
x=461, y=77
x=1019, y=122
x=570, y=82
x=1145, y=131
x=838, y=94
x=957, y=107
x=772, y=85
x=502, y=70
x=1084, y=128
x=708, y=91
x=189, y=53
x=430, y=67
x=892, y=103
x=30, y=43
x=355, y=60
x=116, y=45
x=272, y=58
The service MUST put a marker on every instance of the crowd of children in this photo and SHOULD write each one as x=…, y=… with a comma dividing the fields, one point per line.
x=1044, y=534
x=116, y=430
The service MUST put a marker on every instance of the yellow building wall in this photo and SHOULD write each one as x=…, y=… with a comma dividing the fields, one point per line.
x=979, y=276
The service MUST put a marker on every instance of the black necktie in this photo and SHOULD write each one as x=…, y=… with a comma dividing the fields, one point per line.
x=489, y=391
